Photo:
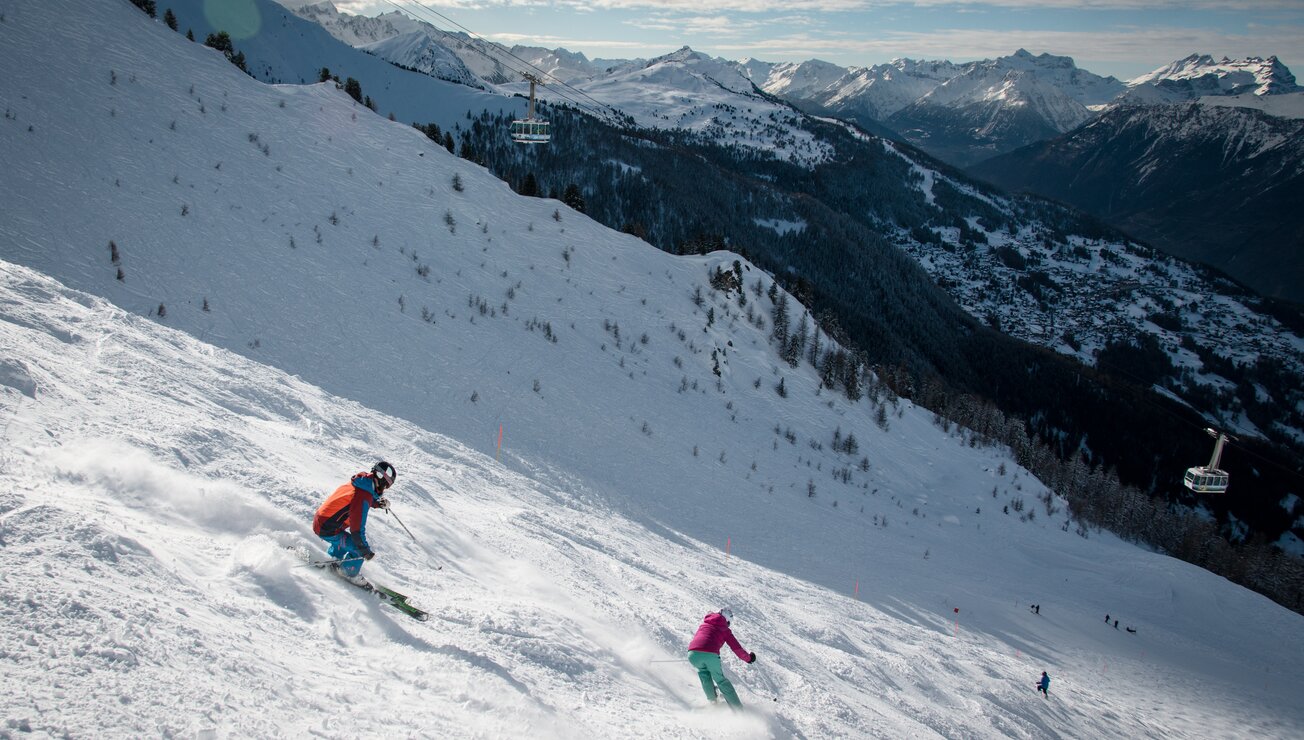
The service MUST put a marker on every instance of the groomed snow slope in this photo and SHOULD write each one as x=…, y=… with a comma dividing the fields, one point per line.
x=151, y=482
x=140, y=462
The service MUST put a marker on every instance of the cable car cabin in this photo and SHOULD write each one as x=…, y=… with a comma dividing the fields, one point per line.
x=1209, y=478
x=531, y=131
x=1206, y=480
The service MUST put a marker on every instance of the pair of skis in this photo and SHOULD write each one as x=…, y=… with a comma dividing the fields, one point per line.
x=385, y=594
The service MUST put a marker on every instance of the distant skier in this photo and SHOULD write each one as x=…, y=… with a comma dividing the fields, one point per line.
x=342, y=520
x=1106, y=619
x=704, y=655
x=1044, y=685
x=1115, y=624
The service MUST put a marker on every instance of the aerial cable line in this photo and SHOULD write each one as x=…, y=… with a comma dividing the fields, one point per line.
x=508, y=52
x=604, y=112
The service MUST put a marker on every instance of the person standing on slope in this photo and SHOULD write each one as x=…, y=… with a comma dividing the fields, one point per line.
x=1044, y=685
x=704, y=655
x=342, y=519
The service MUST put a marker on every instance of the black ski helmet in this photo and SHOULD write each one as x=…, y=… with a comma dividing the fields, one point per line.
x=385, y=473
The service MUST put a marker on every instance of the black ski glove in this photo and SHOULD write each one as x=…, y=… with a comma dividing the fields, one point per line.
x=382, y=503
x=751, y=657
x=368, y=555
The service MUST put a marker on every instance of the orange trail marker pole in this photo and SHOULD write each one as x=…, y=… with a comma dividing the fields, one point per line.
x=728, y=545
x=500, y=443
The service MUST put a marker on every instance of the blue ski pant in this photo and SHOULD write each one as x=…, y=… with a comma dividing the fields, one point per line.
x=711, y=674
x=341, y=548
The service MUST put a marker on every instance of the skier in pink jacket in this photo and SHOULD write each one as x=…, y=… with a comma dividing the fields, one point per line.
x=704, y=655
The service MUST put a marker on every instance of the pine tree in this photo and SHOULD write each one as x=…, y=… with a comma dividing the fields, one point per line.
x=170, y=19
x=573, y=197
x=353, y=88
x=220, y=41
x=148, y=6
x=448, y=141
x=529, y=186
x=779, y=317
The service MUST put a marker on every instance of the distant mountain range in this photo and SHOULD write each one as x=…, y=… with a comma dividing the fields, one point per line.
x=964, y=113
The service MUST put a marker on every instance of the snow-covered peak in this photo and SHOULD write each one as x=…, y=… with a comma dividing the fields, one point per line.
x=354, y=30
x=1051, y=86
x=1200, y=75
x=876, y=91
x=416, y=50
x=802, y=80
x=558, y=64
x=714, y=97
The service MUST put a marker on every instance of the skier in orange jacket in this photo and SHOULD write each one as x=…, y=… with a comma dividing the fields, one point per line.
x=342, y=520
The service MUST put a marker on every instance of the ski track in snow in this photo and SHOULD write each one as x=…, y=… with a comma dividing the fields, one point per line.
x=153, y=478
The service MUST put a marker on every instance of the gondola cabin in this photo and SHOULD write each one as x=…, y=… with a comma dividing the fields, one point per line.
x=1208, y=478
x=531, y=130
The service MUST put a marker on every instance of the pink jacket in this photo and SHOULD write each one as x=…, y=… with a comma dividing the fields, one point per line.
x=713, y=633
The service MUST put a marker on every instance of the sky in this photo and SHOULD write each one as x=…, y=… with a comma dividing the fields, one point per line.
x=1124, y=38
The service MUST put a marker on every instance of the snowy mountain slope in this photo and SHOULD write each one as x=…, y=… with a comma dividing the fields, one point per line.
x=416, y=50
x=371, y=33
x=201, y=216
x=152, y=556
x=282, y=47
x=691, y=91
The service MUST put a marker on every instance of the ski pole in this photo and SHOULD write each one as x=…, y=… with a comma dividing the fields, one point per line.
x=765, y=679
x=677, y=660
x=389, y=510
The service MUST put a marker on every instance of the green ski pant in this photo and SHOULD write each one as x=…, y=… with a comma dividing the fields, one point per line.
x=711, y=674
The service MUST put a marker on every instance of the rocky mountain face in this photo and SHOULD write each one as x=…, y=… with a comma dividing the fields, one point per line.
x=1213, y=184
